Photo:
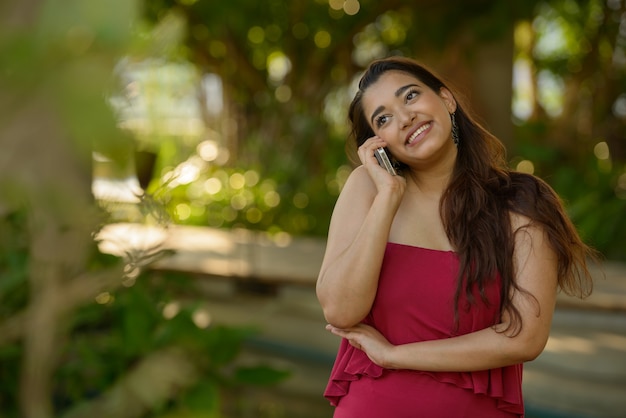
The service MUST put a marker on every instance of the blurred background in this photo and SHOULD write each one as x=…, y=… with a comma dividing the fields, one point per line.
x=168, y=170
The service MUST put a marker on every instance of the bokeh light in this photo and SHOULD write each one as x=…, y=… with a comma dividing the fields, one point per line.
x=601, y=151
x=170, y=310
x=322, y=39
x=201, y=317
x=526, y=166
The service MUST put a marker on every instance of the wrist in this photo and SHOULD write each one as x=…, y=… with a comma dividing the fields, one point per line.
x=389, y=197
x=391, y=358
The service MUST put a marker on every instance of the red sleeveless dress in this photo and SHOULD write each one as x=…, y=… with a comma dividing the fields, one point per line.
x=415, y=302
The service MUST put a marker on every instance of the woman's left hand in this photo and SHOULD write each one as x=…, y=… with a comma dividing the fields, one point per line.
x=367, y=339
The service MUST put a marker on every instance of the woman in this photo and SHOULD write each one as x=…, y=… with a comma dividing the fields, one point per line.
x=442, y=280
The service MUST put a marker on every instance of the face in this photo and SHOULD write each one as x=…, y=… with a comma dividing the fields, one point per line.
x=413, y=119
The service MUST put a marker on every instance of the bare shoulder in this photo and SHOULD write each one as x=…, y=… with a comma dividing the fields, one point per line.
x=359, y=187
x=353, y=204
x=360, y=176
x=519, y=221
x=530, y=237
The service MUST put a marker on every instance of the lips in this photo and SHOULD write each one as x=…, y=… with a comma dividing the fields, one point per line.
x=421, y=129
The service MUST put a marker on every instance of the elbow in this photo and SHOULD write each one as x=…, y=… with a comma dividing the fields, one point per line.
x=523, y=344
x=342, y=322
x=525, y=356
x=533, y=351
x=340, y=318
x=528, y=349
x=341, y=312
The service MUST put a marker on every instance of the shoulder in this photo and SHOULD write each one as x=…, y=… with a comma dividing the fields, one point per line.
x=356, y=197
x=534, y=210
x=519, y=221
x=530, y=239
x=359, y=183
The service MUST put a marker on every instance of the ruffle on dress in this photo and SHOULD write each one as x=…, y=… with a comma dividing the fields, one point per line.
x=502, y=384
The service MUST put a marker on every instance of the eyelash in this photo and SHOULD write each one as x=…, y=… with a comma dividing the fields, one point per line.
x=412, y=91
x=379, y=120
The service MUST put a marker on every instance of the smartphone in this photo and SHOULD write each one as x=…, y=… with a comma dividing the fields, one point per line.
x=383, y=160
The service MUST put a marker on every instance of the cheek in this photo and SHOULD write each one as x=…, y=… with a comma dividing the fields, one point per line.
x=447, y=123
x=387, y=132
x=444, y=119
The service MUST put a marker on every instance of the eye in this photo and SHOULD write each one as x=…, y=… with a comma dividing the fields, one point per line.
x=412, y=94
x=381, y=120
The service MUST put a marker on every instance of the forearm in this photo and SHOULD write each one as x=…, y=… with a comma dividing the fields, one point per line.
x=480, y=350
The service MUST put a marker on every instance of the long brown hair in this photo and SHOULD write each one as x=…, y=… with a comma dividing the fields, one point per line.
x=476, y=206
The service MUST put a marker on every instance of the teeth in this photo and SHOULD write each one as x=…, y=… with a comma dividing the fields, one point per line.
x=419, y=131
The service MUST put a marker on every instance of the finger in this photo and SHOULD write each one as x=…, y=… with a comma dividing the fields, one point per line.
x=367, y=155
x=336, y=331
x=368, y=147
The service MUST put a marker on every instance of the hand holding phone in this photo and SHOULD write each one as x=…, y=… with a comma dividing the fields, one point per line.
x=383, y=160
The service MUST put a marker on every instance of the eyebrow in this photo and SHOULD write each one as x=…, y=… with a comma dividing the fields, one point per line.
x=398, y=93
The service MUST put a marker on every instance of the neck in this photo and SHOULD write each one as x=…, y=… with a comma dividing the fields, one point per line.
x=432, y=180
x=429, y=184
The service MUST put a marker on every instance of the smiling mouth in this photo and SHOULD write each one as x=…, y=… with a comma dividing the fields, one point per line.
x=417, y=132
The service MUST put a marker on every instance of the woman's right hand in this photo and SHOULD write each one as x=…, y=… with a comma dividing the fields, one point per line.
x=381, y=178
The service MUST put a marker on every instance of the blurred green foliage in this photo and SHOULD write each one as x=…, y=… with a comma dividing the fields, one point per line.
x=287, y=72
x=575, y=133
x=111, y=338
x=80, y=333
x=74, y=331
x=104, y=360
x=592, y=190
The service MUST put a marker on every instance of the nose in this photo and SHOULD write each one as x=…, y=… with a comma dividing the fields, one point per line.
x=406, y=118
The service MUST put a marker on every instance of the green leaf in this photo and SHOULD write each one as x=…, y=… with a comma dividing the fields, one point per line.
x=139, y=320
x=260, y=375
x=224, y=343
x=204, y=398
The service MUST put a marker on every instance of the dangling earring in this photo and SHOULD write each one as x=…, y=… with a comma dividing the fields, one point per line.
x=455, y=130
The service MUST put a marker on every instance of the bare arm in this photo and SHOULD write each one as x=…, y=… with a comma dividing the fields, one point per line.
x=486, y=348
x=359, y=229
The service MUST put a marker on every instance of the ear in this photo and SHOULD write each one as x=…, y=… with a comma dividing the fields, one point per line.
x=448, y=99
